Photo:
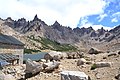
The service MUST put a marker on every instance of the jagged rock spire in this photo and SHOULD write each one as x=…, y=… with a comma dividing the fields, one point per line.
x=56, y=23
x=9, y=19
x=36, y=18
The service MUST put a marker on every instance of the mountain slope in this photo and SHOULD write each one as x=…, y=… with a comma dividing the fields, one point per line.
x=82, y=37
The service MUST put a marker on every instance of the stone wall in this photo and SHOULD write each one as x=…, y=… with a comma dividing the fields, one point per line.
x=14, y=49
x=14, y=52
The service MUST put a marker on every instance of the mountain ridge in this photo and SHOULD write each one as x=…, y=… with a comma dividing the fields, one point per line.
x=62, y=34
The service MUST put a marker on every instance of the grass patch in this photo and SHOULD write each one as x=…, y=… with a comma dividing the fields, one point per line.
x=30, y=51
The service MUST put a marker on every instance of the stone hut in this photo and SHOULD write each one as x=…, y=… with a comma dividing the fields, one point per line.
x=11, y=49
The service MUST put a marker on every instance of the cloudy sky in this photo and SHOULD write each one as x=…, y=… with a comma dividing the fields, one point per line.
x=73, y=13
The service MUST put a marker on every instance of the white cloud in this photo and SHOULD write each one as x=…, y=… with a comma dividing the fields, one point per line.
x=96, y=27
x=101, y=17
x=84, y=20
x=114, y=20
x=85, y=23
x=67, y=12
x=116, y=17
x=117, y=14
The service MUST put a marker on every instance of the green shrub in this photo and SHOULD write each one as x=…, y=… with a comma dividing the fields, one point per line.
x=93, y=67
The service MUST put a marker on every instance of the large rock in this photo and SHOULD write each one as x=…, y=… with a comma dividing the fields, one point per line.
x=81, y=61
x=112, y=54
x=54, y=55
x=80, y=54
x=94, y=51
x=73, y=55
x=117, y=77
x=74, y=75
x=50, y=66
x=102, y=64
x=33, y=67
x=119, y=52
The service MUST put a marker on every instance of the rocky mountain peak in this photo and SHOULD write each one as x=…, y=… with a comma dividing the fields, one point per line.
x=36, y=18
x=56, y=24
x=86, y=30
x=37, y=21
x=9, y=19
x=101, y=31
x=90, y=28
x=77, y=29
x=22, y=19
x=116, y=29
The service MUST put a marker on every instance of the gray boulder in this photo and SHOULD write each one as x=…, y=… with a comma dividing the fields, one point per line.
x=102, y=64
x=117, y=77
x=81, y=61
x=112, y=54
x=54, y=55
x=50, y=66
x=94, y=51
x=119, y=52
x=33, y=67
x=73, y=55
x=74, y=75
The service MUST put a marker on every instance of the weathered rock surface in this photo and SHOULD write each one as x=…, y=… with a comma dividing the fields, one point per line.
x=74, y=75
x=50, y=66
x=117, y=77
x=119, y=52
x=94, y=51
x=54, y=55
x=112, y=54
x=73, y=55
x=33, y=67
x=81, y=61
x=102, y=64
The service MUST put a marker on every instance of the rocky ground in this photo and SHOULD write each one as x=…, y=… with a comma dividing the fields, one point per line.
x=104, y=73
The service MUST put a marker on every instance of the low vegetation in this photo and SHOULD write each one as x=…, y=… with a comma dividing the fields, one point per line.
x=93, y=67
x=29, y=51
x=52, y=45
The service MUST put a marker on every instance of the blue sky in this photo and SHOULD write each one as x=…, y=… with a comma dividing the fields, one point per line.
x=109, y=18
x=73, y=13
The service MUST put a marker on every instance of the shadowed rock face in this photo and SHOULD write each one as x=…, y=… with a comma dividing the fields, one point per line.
x=61, y=34
x=101, y=31
x=116, y=31
x=94, y=51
